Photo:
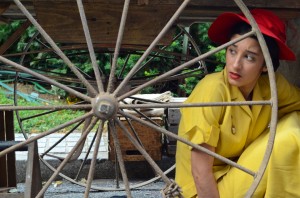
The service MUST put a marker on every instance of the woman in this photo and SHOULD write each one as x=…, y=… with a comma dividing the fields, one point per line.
x=241, y=133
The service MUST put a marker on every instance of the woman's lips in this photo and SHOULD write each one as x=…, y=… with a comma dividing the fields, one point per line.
x=234, y=76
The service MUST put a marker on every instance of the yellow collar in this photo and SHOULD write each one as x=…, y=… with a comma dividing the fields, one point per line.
x=237, y=96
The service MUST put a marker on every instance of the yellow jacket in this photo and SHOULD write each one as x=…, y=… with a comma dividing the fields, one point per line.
x=230, y=129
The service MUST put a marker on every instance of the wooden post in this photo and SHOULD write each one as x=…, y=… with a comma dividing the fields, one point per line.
x=7, y=163
x=14, y=37
x=33, y=172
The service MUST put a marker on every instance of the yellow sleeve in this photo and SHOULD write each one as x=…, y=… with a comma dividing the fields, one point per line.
x=202, y=124
x=288, y=96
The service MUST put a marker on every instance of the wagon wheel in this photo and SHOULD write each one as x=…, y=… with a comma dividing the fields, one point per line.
x=103, y=106
x=48, y=54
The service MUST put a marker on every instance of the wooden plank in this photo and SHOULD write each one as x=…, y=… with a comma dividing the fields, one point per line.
x=3, y=7
x=214, y=6
x=208, y=14
x=14, y=37
x=283, y=4
x=150, y=139
x=33, y=183
x=3, y=165
x=142, y=26
x=211, y=3
x=138, y=2
x=7, y=162
x=14, y=13
x=2, y=126
x=225, y=3
x=9, y=125
x=11, y=158
x=293, y=4
x=12, y=1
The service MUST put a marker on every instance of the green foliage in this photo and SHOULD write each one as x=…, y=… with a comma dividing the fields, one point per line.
x=190, y=82
x=130, y=63
x=215, y=63
x=40, y=123
x=176, y=46
x=199, y=33
x=46, y=122
x=158, y=64
x=220, y=59
x=7, y=29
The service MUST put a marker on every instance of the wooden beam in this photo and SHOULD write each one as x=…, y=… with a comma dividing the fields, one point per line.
x=143, y=24
x=33, y=183
x=283, y=4
x=11, y=157
x=3, y=159
x=208, y=14
x=3, y=7
x=7, y=162
x=14, y=37
x=212, y=5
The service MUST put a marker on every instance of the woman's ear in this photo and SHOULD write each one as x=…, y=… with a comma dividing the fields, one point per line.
x=264, y=69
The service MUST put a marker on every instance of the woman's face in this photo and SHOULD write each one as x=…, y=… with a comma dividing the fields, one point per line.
x=244, y=63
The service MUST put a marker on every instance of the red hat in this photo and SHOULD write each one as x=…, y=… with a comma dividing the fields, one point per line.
x=268, y=23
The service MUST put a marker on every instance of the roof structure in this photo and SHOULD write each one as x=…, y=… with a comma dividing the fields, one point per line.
x=61, y=20
x=197, y=9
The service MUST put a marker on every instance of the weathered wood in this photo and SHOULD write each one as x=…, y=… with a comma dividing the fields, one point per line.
x=212, y=3
x=151, y=140
x=215, y=6
x=13, y=12
x=33, y=183
x=3, y=165
x=3, y=7
x=7, y=162
x=250, y=3
x=194, y=14
x=14, y=37
x=11, y=157
x=142, y=26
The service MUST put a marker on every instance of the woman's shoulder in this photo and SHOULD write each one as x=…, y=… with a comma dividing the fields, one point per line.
x=279, y=78
x=213, y=80
x=212, y=87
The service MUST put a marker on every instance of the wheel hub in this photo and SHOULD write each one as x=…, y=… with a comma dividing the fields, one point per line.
x=105, y=106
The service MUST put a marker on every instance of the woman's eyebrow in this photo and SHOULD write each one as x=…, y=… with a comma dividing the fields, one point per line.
x=234, y=45
x=249, y=51
x=254, y=53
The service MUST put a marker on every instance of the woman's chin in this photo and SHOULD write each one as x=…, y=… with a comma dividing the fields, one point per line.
x=234, y=82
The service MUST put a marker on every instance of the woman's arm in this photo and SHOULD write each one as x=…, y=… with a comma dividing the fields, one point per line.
x=288, y=96
x=202, y=171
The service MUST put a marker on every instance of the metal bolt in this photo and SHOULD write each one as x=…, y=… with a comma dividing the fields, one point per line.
x=104, y=108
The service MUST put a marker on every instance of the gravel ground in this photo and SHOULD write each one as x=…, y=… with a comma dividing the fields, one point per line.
x=69, y=190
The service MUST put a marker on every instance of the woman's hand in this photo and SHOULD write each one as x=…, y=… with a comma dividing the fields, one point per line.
x=202, y=171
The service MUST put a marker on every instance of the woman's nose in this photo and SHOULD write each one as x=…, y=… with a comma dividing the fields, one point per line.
x=237, y=62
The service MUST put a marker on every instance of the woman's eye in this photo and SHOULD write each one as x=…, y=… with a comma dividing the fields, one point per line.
x=249, y=58
x=232, y=51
